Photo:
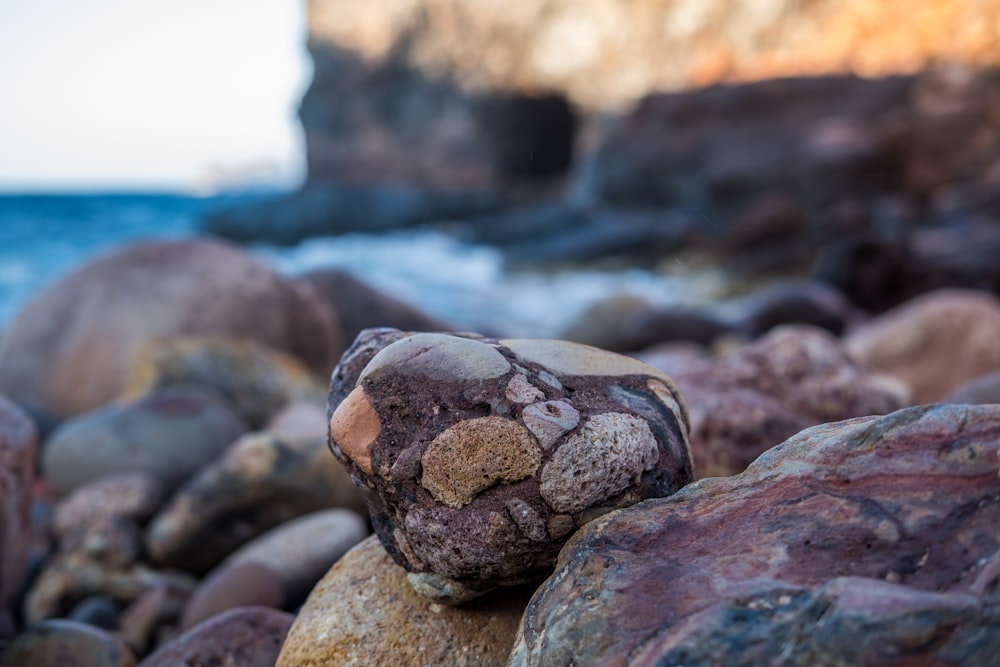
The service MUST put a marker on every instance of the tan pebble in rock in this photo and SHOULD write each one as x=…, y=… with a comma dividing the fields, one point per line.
x=560, y=525
x=474, y=455
x=354, y=427
x=548, y=421
x=609, y=452
x=567, y=359
x=522, y=392
x=437, y=357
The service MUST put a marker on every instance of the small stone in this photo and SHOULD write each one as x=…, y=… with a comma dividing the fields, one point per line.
x=522, y=392
x=476, y=454
x=564, y=358
x=438, y=357
x=560, y=525
x=245, y=584
x=240, y=636
x=608, y=453
x=134, y=496
x=550, y=420
x=527, y=519
x=67, y=644
x=101, y=611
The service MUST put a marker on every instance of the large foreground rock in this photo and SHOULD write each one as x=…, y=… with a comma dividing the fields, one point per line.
x=869, y=541
x=69, y=349
x=480, y=456
x=364, y=612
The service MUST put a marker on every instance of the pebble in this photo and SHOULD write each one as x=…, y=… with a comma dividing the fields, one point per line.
x=18, y=447
x=66, y=643
x=240, y=585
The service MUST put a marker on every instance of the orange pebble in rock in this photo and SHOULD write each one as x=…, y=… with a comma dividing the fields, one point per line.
x=354, y=427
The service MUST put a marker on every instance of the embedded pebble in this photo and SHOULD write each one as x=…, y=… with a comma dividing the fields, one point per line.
x=481, y=456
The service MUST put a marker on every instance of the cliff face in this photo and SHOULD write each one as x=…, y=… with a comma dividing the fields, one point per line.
x=444, y=93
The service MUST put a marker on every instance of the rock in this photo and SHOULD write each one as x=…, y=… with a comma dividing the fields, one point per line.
x=79, y=574
x=364, y=612
x=600, y=324
x=979, y=390
x=168, y=435
x=360, y=306
x=303, y=549
x=796, y=302
x=853, y=542
x=98, y=610
x=242, y=636
x=135, y=496
x=69, y=349
x=240, y=585
x=152, y=612
x=262, y=481
x=934, y=342
x=62, y=643
x=256, y=380
x=18, y=444
x=478, y=456
x=667, y=325
x=299, y=420
x=759, y=394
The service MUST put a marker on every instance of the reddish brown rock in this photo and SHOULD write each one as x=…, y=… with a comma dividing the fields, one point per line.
x=69, y=349
x=752, y=398
x=479, y=456
x=18, y=442
x=250, y=636
x=934, y=342
x=853, y=543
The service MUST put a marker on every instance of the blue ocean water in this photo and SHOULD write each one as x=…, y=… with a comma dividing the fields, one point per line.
x=42, y=236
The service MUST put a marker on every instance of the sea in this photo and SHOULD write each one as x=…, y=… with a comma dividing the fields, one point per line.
x=44, y=236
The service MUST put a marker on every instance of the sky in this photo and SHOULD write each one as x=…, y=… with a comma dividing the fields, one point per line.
x=184, y=95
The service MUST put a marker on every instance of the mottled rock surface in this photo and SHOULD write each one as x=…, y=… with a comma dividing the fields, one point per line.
x=69, y=349
x=134, y=496
x=18, y=443
x=868, y=541
x=258, y=381
x=934, y=342
x=250, y=636
x=364, y=612
x=260, y=482
x=67, y=644
x=169, y=435
x=479, y=456
x=759, y=394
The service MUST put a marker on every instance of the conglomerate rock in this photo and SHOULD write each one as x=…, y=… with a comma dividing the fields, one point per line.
x=480, y=456
x=867, y=541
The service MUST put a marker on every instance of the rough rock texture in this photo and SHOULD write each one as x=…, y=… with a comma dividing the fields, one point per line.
x=249, y=636
x=67, y=644
x=256, y=380
x=479, y=455
x=934, y=342
x=868, y=541
x=260, y=482
x=757, y=395
x=69, y=349
x=364, y=612
x=18, y=443
x=169, y=435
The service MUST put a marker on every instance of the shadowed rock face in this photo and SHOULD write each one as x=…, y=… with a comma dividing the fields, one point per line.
x=872, y=528
x=480, y=456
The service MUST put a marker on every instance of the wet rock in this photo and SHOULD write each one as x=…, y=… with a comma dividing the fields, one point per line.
x=979, y=390
x=303, y=549
x=470, y=449
x=853, y=542
x=168, y=435
x=135, y=496
x=934, y=342
x=241, y=636
x=260, y=482
x=360, y=306
x=240, y=585
x=752, y=398
x=63, y=643
x=364, y=612
x=257, y=381
x=18, y=444
x=69, y=349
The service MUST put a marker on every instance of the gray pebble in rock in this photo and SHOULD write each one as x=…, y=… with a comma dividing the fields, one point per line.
x=548, y=421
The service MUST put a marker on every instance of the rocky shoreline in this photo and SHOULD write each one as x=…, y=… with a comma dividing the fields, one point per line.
x=170, y=493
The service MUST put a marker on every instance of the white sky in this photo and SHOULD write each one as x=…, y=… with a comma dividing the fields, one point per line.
x=130, y=94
